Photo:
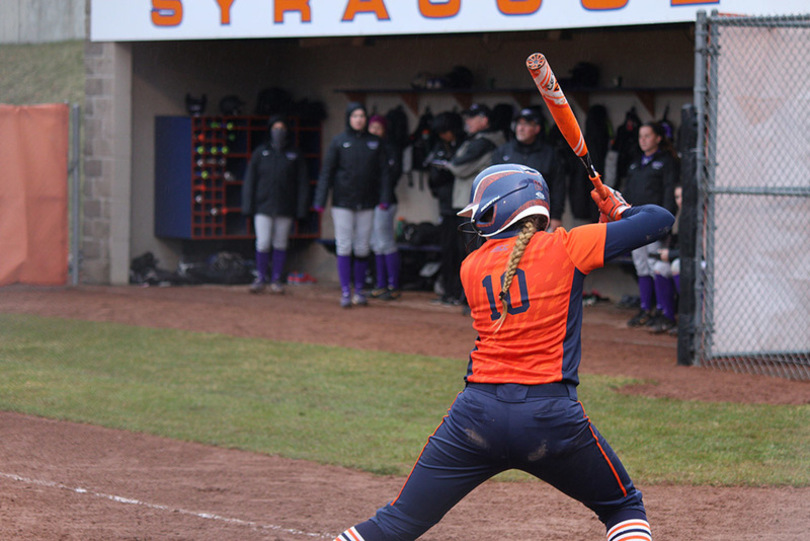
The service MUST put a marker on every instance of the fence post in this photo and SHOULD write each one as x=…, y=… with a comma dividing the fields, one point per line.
x=690, y=314
x=75, y=193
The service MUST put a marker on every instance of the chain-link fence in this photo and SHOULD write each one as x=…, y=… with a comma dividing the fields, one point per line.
x=752, y=257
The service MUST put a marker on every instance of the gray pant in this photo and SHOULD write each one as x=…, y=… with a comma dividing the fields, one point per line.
x=352, y=231
x=383, y=239
x=273, y=231
x=642, y=260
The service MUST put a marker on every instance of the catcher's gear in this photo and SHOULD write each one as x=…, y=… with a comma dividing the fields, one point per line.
x=612, y=206
x=504, y=194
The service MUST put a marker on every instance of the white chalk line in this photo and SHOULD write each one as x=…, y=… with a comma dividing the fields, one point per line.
x=132, y=501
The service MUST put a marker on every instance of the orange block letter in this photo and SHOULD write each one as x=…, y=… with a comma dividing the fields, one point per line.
x=167, y=12
x=430, y=10
x=301, y=6
x=225, y=11
x=519, y=7
x=365, y=6
x=603, y=4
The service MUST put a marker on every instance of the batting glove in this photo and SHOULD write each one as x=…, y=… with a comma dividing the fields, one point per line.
x=612, y=206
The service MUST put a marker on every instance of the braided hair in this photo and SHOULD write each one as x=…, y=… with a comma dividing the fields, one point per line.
x=528, y=228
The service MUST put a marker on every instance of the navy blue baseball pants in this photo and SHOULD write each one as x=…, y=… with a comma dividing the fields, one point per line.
x=540, y=429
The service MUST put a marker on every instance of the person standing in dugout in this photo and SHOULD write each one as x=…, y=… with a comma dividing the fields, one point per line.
x=355, y=169
x=275, y=192
x=528, y=147
x=383, y=236
x=519, y=408
x=651, y=179
x=472, y=156
x=449, y=129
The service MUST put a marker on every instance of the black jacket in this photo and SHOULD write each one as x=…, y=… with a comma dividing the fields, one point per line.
x=276, y=183
x=654, y=183
x=542, y=157
x=394, y=162
x=355, y=168
x=440, y=179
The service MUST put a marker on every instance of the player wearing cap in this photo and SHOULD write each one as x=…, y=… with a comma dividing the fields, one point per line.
x=519, y=409
x=530, y=148
x=472, y=156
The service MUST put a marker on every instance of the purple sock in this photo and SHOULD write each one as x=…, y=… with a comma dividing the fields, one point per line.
x=392, y=265
x=262, y=258
x=344, y=267
x=382, y=275
x=677, y=279
x=279, y=258
x=360, y=269
x=646, y=289
x=665, y=294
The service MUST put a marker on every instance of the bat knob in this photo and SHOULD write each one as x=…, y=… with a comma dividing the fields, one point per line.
x=535, y=61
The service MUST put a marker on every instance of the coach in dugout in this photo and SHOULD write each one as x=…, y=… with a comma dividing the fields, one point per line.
x=530, y=148
x=473, y=156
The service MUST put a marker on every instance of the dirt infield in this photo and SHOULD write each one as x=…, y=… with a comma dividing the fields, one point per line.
x=62, y=480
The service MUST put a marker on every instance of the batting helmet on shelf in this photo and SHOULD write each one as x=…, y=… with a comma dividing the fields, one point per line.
x=502, y=195
x=231, y=105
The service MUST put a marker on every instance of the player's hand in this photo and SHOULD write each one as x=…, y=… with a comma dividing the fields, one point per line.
x=612, y=206
x=318, y=209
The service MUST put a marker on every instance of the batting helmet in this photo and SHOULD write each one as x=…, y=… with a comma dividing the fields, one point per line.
x=502, y=195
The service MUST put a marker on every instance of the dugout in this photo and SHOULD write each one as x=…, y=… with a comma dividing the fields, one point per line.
x=142, y=62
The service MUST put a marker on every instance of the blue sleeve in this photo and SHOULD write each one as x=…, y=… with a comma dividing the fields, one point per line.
x=638, y=227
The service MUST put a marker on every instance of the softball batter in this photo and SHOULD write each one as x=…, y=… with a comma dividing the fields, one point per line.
x=519, y=408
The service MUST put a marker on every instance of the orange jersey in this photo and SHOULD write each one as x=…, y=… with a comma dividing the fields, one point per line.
x=540, y=340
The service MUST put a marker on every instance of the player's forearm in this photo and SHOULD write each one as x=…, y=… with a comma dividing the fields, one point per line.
x=639, y=226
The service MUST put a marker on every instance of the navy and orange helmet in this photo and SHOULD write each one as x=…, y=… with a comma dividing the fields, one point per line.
x=503, y=195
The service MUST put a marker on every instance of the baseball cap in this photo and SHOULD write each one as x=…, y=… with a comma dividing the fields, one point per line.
x=477, y=109
x=531, y=114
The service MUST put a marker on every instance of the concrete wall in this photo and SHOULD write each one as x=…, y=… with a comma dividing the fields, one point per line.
x=163, y=72
x=106, y=190
x=41, y=21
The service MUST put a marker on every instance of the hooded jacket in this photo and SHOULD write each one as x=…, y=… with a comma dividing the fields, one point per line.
x=472, y=157
x=276, y=183
x=355, y=168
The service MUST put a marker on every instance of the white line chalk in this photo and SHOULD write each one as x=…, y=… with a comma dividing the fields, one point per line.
x=131, y=501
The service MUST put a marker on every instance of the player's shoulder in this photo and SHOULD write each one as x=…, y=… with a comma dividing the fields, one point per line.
x=587, y=233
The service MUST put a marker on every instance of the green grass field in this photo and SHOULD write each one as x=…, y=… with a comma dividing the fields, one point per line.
x=42, y=73
x=360, y=409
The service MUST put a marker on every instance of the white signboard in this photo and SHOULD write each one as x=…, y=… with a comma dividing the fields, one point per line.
x=151, y=20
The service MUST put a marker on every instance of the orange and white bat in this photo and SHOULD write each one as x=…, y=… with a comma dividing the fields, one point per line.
x=563, y=116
